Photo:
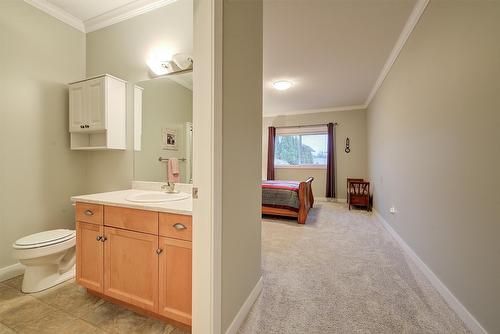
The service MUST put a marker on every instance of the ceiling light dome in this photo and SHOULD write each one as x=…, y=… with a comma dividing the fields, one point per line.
x=282, y=85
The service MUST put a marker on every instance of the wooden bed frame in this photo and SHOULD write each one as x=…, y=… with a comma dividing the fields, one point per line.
x=306, y=200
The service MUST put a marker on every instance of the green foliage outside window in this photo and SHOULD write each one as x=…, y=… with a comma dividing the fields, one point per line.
x=290, y=149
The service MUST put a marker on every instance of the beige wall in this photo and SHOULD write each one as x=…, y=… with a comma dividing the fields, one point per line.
x=122, y=50
x=241, y=153
x=434, y=150
x=165, y=104
x=301, y=174
x=38, y=172
x=352, y=124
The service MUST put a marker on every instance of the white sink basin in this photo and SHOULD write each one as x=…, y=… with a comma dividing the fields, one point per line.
x=156, y=197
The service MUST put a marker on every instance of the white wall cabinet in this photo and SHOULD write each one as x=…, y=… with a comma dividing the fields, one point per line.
x=76, y=100
x=97, y=113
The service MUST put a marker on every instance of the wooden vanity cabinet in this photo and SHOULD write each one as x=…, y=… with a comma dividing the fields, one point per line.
x=141, y=258
x=175, y=279
x=89, y=256
x=131, y=267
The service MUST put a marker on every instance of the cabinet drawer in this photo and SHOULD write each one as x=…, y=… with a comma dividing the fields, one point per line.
x=176, y=226
x=131, y=219
x=89, y=213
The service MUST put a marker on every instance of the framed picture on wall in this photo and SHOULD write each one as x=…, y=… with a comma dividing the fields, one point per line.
x=170, y=139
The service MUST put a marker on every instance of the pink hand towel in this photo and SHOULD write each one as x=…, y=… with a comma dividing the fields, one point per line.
x=173, y=170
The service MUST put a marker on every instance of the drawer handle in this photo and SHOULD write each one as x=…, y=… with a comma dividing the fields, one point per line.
x=179, y=226
x=88, y=213
x=159, y=251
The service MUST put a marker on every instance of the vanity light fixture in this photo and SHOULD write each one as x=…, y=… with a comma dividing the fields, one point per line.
x=282, y=85
x=179, y=63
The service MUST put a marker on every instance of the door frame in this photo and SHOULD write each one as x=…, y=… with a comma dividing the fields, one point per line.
x=207, y=166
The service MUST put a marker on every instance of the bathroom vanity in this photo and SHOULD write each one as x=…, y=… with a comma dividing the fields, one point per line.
x=136, y=254
x=134, y=247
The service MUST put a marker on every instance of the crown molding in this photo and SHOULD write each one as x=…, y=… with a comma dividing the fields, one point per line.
x=123, y=13
x=116, y=15
x=57, y=13
x=412, y=21
x=315, y=111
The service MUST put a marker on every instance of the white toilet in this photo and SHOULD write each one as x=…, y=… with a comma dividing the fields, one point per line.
x=48, y=257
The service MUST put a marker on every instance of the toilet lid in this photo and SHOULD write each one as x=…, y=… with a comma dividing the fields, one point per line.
x=45, y=238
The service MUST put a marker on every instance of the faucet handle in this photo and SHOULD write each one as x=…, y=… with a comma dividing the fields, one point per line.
x=165, y=186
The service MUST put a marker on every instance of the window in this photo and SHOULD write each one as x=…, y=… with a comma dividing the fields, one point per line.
x=301, y=149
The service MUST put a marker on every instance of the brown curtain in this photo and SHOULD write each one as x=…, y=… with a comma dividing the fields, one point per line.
x=330, y=164
x=270, y=152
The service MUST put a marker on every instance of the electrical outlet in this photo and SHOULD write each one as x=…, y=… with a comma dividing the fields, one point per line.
x=392, y=210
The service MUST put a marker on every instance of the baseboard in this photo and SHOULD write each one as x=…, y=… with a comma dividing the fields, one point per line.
x=469, y=320
x=245, y=308
x=326, y=199
x=11, y=271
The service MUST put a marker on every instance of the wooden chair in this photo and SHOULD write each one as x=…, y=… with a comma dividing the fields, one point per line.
x=359, y=194
x=349, y=180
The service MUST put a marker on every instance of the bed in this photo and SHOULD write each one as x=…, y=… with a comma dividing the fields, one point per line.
x=287, y=198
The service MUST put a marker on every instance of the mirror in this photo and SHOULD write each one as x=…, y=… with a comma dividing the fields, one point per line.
x=163, y=114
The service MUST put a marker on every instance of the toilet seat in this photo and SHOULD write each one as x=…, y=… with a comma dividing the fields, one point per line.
x=44, y=239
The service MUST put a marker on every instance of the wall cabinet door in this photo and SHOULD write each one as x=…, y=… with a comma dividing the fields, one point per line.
x=131, y=267
x=89, y=256
x=77, y=115
x=96, y=113
x=175, y=279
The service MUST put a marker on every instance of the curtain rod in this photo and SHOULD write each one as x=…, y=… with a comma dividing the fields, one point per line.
x=304, y=126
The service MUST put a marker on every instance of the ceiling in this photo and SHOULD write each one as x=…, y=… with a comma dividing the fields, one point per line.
x=336, y=52
x=332, y=50
x=183, y=79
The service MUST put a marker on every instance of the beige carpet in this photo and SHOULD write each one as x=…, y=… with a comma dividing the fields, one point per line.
x=342, y=273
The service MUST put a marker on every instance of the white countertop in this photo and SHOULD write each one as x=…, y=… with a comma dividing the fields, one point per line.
x=117, y=198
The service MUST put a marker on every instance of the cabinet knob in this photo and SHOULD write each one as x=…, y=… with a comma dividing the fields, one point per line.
x=179, y=226
x=99, y=237
x=88, y=212
x=159, y=251
x=81, y=126
x=103, y=238
x=87, y=126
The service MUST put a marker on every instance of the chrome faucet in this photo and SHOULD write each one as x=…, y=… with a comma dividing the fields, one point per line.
x=169, y=187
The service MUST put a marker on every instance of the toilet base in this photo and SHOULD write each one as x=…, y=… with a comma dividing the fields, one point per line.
x=38, y=278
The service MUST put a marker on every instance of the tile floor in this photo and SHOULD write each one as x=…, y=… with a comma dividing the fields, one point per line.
x=66, y=309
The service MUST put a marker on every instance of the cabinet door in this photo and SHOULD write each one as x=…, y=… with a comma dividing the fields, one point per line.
x=131, y=267
x=175, y=279
x=89, y=256
x=77, y=113
x=96, y=111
